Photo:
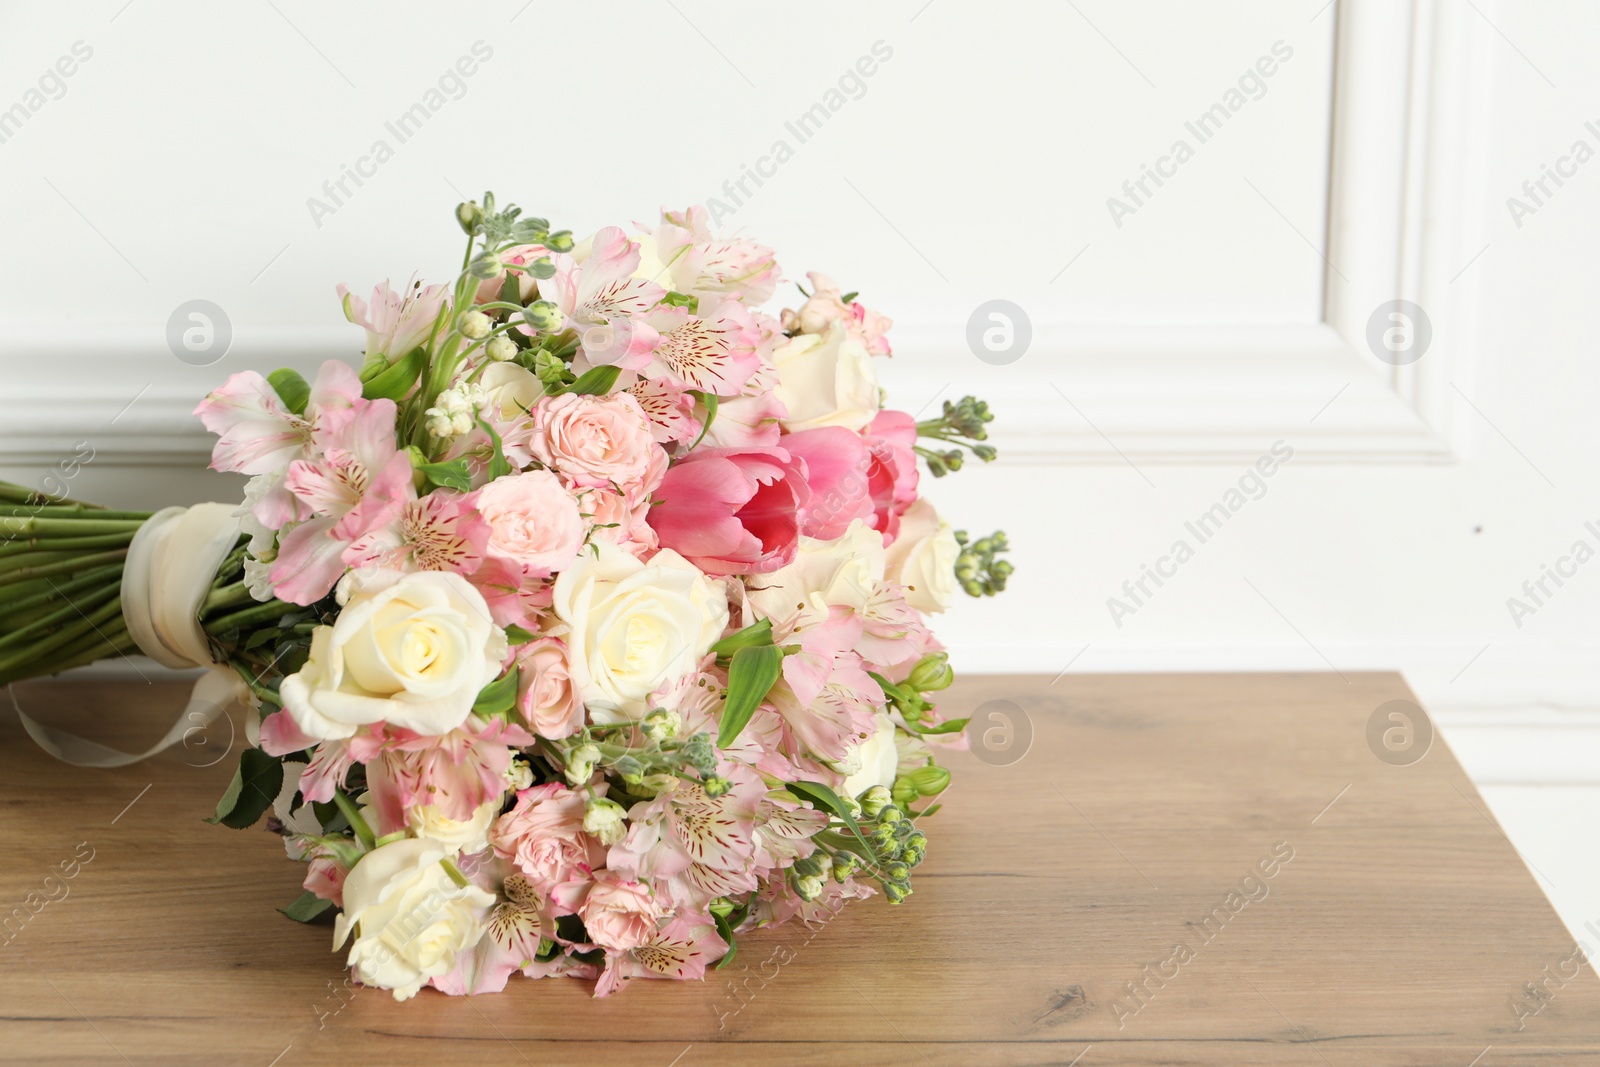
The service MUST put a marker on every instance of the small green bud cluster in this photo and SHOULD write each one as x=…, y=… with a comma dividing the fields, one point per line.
x=931, y=674
x=961, y=425
x=899, y=847
x=977, y=568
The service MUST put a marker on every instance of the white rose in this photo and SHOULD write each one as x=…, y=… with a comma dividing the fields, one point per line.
x=412, y=650
x=826, y=379
x=510, y=390
x=410, y=919
x=635, y=627
x=923, y=559
x=844, y=572
x=878, y=760
x=466, y=836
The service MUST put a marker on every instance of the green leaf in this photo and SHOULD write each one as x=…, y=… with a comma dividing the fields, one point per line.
x=751, y=675
x=682, y=300
x=516, y=635
x=396, y=381
x=825, y=799
x=497, y=697
x=757, y=633
x=307, y=906
x=725, y=931
x=451, y=475
x=291, y=389
x=596, y=380
x=499, y=466
x=953, y=726
x=254, y=787
x=710, y=402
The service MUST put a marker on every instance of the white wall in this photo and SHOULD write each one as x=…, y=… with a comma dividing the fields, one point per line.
x=975, y=163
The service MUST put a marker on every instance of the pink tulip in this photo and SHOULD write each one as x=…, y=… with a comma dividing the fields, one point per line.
x=733, y=511
x=836, y=462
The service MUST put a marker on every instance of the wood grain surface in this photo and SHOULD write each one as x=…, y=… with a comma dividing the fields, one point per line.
x=1096, y=894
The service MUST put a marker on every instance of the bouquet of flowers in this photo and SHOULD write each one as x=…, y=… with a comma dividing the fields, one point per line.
x=583, y=625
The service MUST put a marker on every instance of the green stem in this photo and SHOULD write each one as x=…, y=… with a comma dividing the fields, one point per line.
x=226, y=597
x=59, y=590
x=51, y=524
x=353, y=815
x=68, y=566
x=46, y=625
x=272, y=609
x=9, y=549
x=63, y=637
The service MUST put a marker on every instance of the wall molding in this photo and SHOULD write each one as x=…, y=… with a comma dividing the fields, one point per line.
x=1408, y=79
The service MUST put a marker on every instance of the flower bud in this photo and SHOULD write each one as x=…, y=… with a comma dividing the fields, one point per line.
x=606, y=820
x=816, y=863
x=890, y=816
x=899, y=872
x=486, y=265
x=874, y=801
x=661, y=724
x=501, y=349
x=716, y=786
x=930, y=780
x=560, y=241
x=543, y=316
x=580, y=763
x=519, y=775
x=844, y=865
x=895, y=892
x=931, y=673
x=475, y=325
x=470, y=216
x=809, y=887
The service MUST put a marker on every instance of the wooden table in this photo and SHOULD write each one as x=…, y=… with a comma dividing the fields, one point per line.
x=1403, y=930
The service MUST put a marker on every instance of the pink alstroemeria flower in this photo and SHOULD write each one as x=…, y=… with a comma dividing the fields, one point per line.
x=258, y=435
x=733, y=511
x=699, y=262
x=358, y=482
x=714, y=352
x=395, y=322
x=605, y=303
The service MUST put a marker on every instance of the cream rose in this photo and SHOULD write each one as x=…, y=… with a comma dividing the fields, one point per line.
x=634, y=627
x=410, y=920
x=462, y=835
x=923, y=559
x=877, y=760
x=826, y=379
x=510, y=390
x=412, y=650
x=534, y=522
x=843, y=572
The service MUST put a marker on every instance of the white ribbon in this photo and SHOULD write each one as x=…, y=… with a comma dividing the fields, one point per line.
x=171, y=563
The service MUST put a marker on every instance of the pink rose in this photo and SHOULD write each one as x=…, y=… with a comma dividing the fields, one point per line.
x=542, y=835
x=545, y=694
x=826, y=306
x=732, y=511
x=836, y=462
x=533, y=522
x=619, y=914
x=521, y=256
x=619, y=519
x=891, y=469
x=325, y=877
x=595, y=440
